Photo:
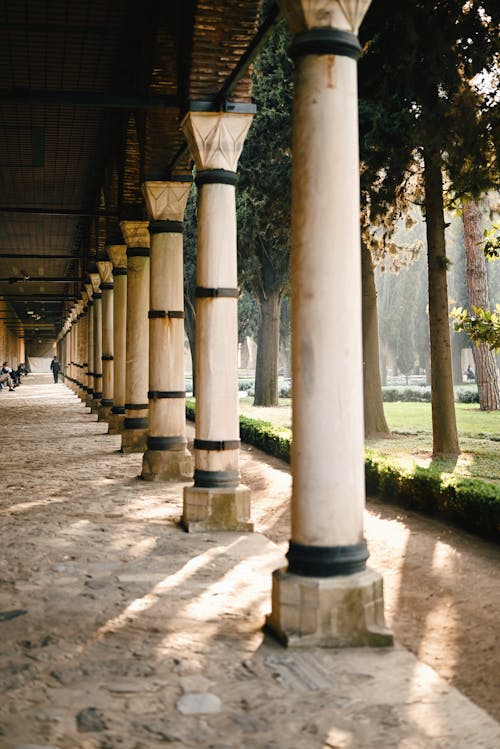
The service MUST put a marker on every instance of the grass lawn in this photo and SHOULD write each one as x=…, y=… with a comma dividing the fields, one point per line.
x=411, y=441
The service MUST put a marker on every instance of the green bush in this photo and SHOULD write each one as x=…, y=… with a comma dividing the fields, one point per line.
x=466, y=396
x=468, y=503
x=406, y=394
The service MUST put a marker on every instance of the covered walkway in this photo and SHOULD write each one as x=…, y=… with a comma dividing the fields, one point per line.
x=118, y=630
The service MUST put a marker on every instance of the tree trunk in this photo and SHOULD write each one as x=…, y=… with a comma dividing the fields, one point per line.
x=477, y=285
x=190, y=328
x=444, y=425
x=375, y=423
x=266, y=370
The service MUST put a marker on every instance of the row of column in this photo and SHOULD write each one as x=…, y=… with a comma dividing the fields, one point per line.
x=326, y=596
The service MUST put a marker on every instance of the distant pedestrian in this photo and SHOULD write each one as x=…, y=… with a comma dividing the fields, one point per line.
x=469, y=373
x=55, y=367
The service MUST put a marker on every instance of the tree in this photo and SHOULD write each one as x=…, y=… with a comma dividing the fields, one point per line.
x=263, y=206
x=418, y=55
x=190, y=251
x=477, y=284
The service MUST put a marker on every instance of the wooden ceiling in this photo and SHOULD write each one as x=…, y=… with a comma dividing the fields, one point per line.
x=91, y=97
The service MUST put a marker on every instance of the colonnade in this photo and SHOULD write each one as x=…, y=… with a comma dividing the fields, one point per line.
x=134, y=342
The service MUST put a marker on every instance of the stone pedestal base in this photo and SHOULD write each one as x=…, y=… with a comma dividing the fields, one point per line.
x=116, y=423
x=167, y=465
x=104, y=413
x=134, y=440
x=329, y=612
x=216, y=509
x=95, y=405
x=88, y=401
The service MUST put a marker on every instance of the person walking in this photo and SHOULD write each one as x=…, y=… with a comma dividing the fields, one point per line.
x=55, y=367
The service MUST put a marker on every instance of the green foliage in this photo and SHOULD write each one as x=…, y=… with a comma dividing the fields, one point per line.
x=264, y=184
x=492, y=243
x=482, y=325
x=469, y=503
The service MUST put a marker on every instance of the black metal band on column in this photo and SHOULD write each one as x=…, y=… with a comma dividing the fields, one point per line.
x=97, y=295
x=90, y=303
x=166, y=443
x=216, y=177
x=216, y=444
x=216, y=479
x=106, y=402
x=154, y=394
x=154, y=314
x=136, y=406
x=166, y=227
x=97, y=374
x=326, y=561
x=120, y=271
x=118, y=410
x=138, y=252
x=203, y=291
x=107, y=286
x=325, y=41
x=107, y=357
x=97, y=395
x=90, y=391
x=135, y=423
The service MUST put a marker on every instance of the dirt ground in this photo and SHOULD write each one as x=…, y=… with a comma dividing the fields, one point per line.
x=72, y=514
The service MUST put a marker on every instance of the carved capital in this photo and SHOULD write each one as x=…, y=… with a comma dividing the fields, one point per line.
x=117, y=253
x=216, y=138
x=85, y=299
x=135, y=233
x=166, y=201
x=90, y=290
x=105, y=268
x=95, y=280
x=302, y=15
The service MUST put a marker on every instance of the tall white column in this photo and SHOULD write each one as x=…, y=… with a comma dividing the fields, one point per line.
x=135, y=424
x=105, y=268
x=327, y=596
x=217, y=500
x=118, y=256
x=167, y=457
x=97, y=319
x=90, y=345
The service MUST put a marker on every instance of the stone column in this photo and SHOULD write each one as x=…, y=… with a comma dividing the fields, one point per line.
x=72, y=349
x=167, y=457
x=327, y=597
x=217, y=500
x=97, y=297
x=105, y=268
x=135, y=424
x=90, y=346
x=82, y=346
x=118, y=256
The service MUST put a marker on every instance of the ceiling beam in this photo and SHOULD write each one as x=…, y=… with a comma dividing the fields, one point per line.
x=57, y=212
x=41, y=279
x=91, y=99
x=32, y=256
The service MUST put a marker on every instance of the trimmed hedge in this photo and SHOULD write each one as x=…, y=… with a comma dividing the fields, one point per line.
x=468, y=503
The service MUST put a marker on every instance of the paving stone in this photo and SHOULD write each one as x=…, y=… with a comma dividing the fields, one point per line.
x=194, y=683
x=34, y=746
x=198, y=703
x=90, y=720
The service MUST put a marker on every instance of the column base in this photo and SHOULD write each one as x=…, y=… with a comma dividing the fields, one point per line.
x=167, y=465
x=95, y=405
x=89, y=401
x=134, y=440
x=103, y=413
x=116, y=423
x=329, y=612
x=216, y=509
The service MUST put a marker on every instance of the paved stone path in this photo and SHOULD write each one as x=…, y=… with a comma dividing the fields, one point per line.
x=120, y=631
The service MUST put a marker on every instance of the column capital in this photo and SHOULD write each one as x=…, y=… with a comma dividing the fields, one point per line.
x=117, y=253
x=85, y=299
x=105, y=268
x=135, y=233
x=90, y=291
x=303, y=15
x=216, y=138
x=95, y=280
x=166, y=201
